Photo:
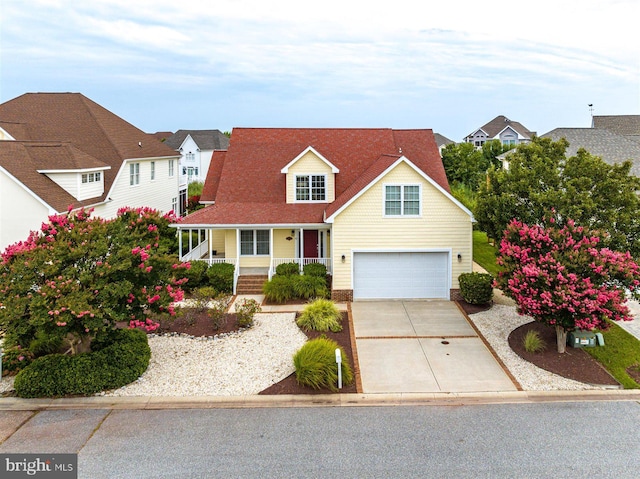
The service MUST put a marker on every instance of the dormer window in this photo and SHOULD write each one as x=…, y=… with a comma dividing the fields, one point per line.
x=91, y=177
x=311, y=187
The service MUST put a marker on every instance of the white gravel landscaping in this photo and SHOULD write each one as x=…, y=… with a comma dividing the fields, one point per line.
x=495, y=325
x=236, y=364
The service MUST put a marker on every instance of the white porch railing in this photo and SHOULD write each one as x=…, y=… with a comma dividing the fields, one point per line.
x=197, y=252
x=300, y=261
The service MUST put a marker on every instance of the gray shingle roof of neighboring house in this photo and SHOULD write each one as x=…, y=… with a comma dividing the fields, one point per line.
x=205, y=139
x=627, y=125
x=609, y=146
x=442, y=140
x=499, y=123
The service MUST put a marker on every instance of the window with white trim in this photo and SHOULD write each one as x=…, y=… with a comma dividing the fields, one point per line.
x=171, y=170
x=90, y=177
x=134, y=174
x=402, y=200
x=311, y=187
x=254, y=242
x=174, y=205
x=190, y=157
x=153, y=170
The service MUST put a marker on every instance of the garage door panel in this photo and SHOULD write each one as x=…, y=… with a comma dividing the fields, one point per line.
x=401, y=275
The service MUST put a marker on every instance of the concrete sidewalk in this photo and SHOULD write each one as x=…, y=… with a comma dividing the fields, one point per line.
x=422, y=347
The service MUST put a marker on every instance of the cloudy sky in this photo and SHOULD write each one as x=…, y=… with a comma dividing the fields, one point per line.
x=452, y=66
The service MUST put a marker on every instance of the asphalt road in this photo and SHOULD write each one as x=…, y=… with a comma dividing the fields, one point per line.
x=559, y=440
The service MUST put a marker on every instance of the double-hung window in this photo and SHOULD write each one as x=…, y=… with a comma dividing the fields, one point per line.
x=402, y=200
x=134, y=174
x=311, y=187
x=171, y=168
x=153, y=170
x=254, y=242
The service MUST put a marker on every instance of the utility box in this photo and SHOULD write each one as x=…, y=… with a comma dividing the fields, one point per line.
x=582, y=339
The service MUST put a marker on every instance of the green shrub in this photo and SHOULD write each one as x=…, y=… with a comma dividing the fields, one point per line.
x=316, y=366
x=321, y=315
x=245, y=311
x=221, y=277
x=476, y=288
x=217, y=310
x=315, y=269
x=119, y=358
x=310, y=287
x=533, y=343
x=288, y=269
x=44, y=344
x=279, y=289
x=196, y=274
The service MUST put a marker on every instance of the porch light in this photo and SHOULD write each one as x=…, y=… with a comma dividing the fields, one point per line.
x=459, y=257
x=343, y=258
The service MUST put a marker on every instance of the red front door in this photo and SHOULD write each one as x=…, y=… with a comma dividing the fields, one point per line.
x=310, y=243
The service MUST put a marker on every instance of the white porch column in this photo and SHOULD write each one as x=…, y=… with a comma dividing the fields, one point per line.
x=238, y=249
x=210, y=243
x=180, y=243
x=301, y=264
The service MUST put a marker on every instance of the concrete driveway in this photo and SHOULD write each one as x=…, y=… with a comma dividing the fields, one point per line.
x=422, y=346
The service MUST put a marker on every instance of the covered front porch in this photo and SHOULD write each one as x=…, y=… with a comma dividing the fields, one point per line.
x=256, y=250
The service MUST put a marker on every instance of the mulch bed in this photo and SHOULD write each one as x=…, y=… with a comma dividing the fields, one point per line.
x=574, y=364
x=197, y=325
x=289, y=385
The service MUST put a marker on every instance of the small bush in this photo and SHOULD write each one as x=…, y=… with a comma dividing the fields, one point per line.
x=533, y=343
x=279, y=289
x=245, y=311
x=321, y=315
x=217, y=310
x=196, y=274
x=288, y=269
x=221, y=277
x=316, y=366
x=310, y=287
x=315, y=269
x=118, y=359
x=476, y=288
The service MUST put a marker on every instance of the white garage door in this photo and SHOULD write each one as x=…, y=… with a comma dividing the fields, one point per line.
x=401, y=275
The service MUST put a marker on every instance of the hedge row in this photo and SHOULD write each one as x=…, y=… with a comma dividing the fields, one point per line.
x=118, y=358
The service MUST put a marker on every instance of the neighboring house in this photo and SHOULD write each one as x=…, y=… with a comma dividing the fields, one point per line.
x=373, y=205
x=625, y=125
x=442, y=141
x=195, y=148
x=609, y=146
x=509, y=132
x=62, y=150
x=161, y=135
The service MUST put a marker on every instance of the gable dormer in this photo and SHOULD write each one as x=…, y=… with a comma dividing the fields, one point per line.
x=310, y=178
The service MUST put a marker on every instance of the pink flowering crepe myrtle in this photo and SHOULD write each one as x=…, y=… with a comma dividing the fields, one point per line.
x=562, y=277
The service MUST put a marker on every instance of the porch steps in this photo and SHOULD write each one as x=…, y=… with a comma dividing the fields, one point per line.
x=251, y=283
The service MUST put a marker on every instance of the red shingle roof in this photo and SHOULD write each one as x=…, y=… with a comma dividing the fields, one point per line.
x=249, y=188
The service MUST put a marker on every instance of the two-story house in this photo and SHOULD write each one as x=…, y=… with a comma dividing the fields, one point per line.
x=195, y=148
x=373, y=205
x=62, y=150
x=510, y=133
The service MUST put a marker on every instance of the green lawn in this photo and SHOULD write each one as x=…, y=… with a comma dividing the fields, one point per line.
x=620, y=351
x=483, y=253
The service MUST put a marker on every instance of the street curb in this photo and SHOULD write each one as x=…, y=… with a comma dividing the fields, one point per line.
x=318, y=400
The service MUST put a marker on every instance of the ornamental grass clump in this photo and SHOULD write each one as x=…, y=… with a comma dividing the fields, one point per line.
x=533, y=343
x=316, y=365
x=321, y=315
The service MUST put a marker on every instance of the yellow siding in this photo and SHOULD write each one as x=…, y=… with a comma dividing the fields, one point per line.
x=310, y=164
x=218, y=241
x=281, y=247
x=230, y=245
x=361, y=226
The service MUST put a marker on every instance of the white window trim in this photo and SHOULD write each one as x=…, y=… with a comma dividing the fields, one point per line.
x=153, y=171
x=310, y=176
x=133, y=174
x=171, y=168
x=254, y=243
x=402, y=213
